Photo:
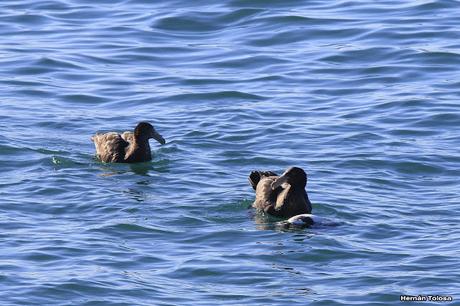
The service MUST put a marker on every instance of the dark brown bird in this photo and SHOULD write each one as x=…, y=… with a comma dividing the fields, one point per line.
x=128, y=147
x=281, y=196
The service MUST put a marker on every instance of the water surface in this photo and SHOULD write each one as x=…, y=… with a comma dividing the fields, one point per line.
x=362, y=95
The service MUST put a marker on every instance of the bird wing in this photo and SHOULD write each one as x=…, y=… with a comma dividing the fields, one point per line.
x=265, y=195
x=256, y=176
x=128, y=136
x=110, y=147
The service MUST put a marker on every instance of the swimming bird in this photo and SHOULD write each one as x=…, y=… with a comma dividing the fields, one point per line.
x=128, y=147
x=282, y=196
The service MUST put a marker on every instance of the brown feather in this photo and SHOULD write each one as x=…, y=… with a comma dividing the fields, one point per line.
x=110, y=147
x=128, y=147
x=284, y=201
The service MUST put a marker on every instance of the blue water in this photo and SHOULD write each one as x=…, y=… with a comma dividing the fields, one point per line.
x=363, y=95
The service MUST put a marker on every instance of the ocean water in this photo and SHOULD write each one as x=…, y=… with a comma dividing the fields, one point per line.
x=364, y=95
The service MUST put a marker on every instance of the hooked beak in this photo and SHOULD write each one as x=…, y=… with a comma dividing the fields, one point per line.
x=279, y=181
x=158, y=137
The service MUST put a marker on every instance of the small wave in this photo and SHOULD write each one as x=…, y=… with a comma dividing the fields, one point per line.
x=126, y=229
x=204, y=21
x=83, y=98
x=219, y=95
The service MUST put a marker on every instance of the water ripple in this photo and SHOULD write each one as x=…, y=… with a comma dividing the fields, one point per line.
x=362, y=95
